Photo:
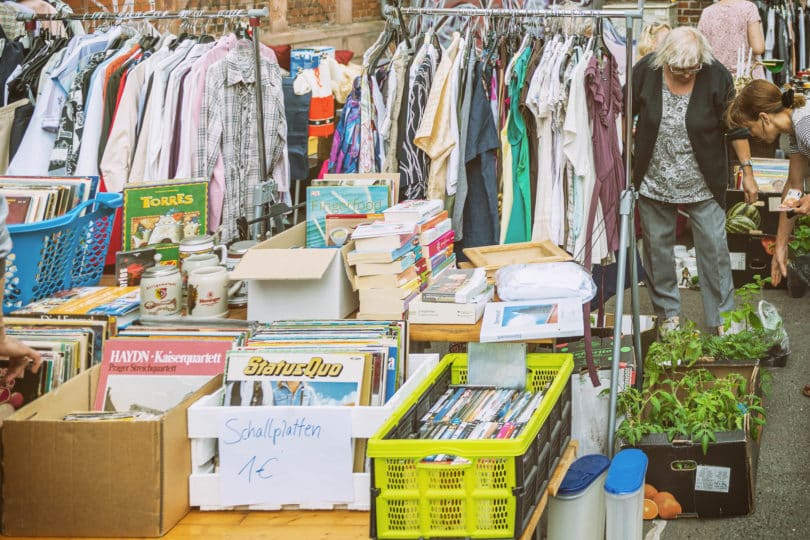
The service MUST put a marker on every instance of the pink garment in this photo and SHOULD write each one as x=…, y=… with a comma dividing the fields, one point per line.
x=191, y=122
x=725, y=25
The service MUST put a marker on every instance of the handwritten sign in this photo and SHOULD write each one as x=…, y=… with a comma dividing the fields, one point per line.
x=285, y=455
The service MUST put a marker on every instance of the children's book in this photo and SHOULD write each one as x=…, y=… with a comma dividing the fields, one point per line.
x=164, y=212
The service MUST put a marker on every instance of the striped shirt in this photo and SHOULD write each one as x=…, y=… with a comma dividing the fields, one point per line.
x=800, y=142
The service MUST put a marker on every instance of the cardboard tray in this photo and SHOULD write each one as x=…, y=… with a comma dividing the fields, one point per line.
x=86, y=478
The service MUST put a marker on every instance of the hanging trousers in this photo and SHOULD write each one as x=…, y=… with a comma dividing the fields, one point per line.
x=711, y=249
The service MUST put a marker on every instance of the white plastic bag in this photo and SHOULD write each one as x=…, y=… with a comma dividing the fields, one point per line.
x=537, y=281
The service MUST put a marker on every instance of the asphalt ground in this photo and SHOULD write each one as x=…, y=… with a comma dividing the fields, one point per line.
x=782, y=500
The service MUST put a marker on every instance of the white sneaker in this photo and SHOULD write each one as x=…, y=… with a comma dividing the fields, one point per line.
x=669, y=324
x=734, y=328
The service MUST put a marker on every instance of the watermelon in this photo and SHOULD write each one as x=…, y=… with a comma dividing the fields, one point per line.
x=746, y=210
x=740, y=224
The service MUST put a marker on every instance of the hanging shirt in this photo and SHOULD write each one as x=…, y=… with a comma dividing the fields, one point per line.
x=435, y=132
x=413, y=161
x=65, y=154
x=604, y=93
x=344, y=155
x=228, y=126
x=578, y=147
x=37, y=143
x=538, y=100
x=520, y=221
x=481, y=220
x=190, y=116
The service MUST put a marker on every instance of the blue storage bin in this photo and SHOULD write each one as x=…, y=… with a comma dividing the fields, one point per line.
x=60, y=253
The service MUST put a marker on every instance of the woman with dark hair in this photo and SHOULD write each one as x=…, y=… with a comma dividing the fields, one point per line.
x=768, y=112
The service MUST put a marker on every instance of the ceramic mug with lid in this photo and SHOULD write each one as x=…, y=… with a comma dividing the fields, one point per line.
x=199, y=245
x=161, y=290
x=207, y=292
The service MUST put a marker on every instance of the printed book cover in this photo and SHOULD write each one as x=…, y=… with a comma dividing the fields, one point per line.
x=325, y=200
x=532, y=319
x=130, y=265
x=164, y=212
x=414, y=210
x=456, y=285
x=299, y=378
x=156, y=374
x=340, y=227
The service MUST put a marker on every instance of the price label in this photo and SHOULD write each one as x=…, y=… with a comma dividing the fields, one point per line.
x=714, y=479
x=285, y=455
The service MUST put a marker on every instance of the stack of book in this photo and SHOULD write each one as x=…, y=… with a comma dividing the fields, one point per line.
x=457, y=296
x=67, y=344
x=394, y=259
x=118, y=305
x=33, y=198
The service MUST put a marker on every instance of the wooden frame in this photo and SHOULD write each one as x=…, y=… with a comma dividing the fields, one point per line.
x=494, y=257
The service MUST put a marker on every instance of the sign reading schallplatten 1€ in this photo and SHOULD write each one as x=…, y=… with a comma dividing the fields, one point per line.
x=285, y=455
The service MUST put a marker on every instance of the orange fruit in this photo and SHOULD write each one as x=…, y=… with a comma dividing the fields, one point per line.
x=669, y=509
x=649, y=491
x=661, y=496
x=650, y=509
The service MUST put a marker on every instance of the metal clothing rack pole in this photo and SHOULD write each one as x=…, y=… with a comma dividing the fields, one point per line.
x=253, y=16
x=627, y=239
x=139, y=15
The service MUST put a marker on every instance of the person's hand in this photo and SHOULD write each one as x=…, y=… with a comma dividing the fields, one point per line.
x=19, y=355
x=750, y=186
x=778, y=264
x=799, y=207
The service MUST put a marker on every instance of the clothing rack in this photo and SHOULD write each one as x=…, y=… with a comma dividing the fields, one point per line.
x=253, y=16
x=627, y=238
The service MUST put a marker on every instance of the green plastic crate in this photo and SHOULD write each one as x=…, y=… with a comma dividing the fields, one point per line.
x=494, y=494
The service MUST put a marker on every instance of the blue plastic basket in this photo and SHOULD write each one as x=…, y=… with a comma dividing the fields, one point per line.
x=60, y=253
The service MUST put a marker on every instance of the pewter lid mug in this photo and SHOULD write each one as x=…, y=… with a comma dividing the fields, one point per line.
x=159, y=270
x=241, y=247
x=197, y=240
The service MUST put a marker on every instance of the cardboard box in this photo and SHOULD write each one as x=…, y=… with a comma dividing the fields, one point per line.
x=109, y=479
x=751, y=255
x=719, y=483
x=288, y=281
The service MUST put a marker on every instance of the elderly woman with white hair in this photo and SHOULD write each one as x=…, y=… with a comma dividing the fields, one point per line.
x=680, y=94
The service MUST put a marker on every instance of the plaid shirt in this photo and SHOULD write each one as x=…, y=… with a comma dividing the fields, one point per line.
x=8, y=20
x=228, y=125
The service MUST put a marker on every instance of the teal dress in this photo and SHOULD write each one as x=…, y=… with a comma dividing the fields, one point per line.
x=520, y=221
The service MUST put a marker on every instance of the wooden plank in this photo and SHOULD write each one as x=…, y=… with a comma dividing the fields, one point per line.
x=566, y=460
x=454, y=333
x=553, y=485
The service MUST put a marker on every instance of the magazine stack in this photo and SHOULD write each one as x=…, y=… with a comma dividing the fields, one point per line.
x=457, y=296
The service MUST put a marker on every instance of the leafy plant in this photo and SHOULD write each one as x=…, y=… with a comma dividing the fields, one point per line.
x=693, y=404
x=749, y=344
x=800, y=244
x=681, y=347
x=747, y=298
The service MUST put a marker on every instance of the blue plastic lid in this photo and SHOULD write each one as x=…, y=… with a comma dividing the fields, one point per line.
x=626, y=473
x=582, y=473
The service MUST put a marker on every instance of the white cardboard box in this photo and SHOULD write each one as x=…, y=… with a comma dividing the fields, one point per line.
x=288, y=281
x=203, y=422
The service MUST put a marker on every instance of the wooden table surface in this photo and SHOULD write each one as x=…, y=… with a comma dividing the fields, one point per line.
x=324, y=525
x=309, y=525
